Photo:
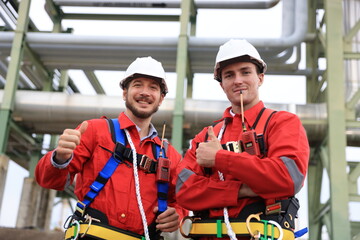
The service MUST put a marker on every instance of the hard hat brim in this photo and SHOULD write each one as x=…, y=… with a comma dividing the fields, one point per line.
x=260, y=64
x=124, y=82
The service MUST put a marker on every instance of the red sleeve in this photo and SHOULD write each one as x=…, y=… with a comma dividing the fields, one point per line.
x=283, y=170
x=196, y=191
x=48, y=176
x=175, y=159
x=51, y=177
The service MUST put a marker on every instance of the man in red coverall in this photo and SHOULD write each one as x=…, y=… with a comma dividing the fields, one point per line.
x=84, y=151
x=248, y=182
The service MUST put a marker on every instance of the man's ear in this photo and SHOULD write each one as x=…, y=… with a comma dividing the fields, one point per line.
x=124, y=94
x=261, y=79
x=221, y=85
x=162, y=96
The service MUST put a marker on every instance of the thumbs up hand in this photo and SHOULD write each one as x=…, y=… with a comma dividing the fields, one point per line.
x=68, y=141
x=206, y=151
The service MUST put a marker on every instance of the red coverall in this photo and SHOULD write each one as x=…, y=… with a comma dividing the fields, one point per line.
x=117, y=199
x=277, y=176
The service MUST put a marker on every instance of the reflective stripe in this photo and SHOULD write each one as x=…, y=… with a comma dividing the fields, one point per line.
x=183, y=176
x=202, y=228
x=100, y=231
x=294, y=172
x=68, y=181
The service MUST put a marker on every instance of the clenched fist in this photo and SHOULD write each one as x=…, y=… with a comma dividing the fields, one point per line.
x=68, y=142
x=206, y=152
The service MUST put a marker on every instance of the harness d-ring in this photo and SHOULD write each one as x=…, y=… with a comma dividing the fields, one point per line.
x=251, y=216
x=279, y=227
x=76, y=229
x=88, y=226
x=192, y=219
x=89, y=219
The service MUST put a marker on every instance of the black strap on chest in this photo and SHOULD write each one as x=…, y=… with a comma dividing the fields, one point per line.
x=123, y=153
x=260, y=125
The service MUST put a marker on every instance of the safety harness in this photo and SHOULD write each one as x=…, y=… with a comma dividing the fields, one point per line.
x=280, y=214
x=81, y=223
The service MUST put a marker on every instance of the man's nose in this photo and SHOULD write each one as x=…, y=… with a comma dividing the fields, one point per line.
x=238, y=79
x=145, y=91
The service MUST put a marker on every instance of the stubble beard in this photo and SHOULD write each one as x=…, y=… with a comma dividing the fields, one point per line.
x=138, y=113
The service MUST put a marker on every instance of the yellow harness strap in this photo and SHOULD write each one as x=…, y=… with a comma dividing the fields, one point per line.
x=100, y=232
x=217, y=228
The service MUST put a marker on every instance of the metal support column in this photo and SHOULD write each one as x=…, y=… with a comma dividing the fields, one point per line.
x=36, y=206
x=315, y=174
x=182, y=60
x=339, y=195
x=12, y=76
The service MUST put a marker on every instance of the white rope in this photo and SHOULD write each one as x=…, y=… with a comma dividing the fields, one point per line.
x=230, y=231
x=137, y=186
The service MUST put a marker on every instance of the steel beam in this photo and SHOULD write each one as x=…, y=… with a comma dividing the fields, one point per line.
x=339, y=226
x=182, y=60
x=12, y=76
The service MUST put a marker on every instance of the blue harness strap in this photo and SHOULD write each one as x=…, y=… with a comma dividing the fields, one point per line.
x=163, y=187
x=110, y=168
x=119, y=133
x=103, y=175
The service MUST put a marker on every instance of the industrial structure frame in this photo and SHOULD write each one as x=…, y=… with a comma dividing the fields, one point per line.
x=32, y=104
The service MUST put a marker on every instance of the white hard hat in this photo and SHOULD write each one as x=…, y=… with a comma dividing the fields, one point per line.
x=145, y=66
x=236, y=48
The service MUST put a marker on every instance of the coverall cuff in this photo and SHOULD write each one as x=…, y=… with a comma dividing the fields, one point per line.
x=221, y=161
x=57, y=165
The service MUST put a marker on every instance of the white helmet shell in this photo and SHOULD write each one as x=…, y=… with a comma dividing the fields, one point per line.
x=235, y=48
x=145, y=66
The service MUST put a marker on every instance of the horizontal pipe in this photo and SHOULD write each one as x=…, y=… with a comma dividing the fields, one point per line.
x=52, y=112
x=240, y=4
x=66, y=51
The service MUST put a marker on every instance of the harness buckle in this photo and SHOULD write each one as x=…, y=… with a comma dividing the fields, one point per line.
x=145, y=163
x=192, y=219
x=80, y=208
x=248, y=219
x=233, y=146
x=273, y=208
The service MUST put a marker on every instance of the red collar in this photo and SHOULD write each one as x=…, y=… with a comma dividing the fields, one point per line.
x=250, y=115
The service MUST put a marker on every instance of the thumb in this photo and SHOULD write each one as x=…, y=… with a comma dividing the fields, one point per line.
x=211, y=134
x=83, y=127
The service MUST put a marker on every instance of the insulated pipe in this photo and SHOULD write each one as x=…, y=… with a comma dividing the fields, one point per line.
x=52, y=112
x=66, y=51
x=265, y=4
x=296, y=37
x=23, y=80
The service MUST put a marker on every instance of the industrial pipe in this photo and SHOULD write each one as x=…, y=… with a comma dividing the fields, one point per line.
x=52, y=112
